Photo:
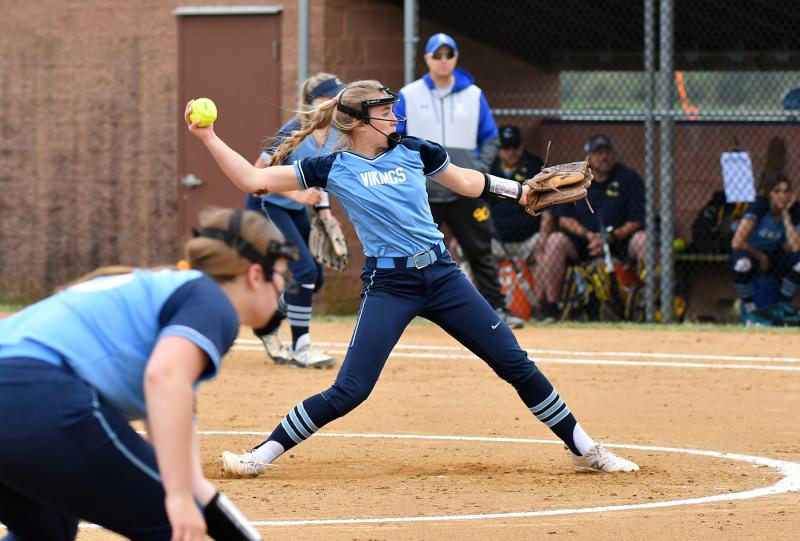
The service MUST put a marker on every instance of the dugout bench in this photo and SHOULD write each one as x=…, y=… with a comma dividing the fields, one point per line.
x=706, y=280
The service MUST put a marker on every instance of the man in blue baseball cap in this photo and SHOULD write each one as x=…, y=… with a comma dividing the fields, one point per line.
x=437, y=40
x=446, y=107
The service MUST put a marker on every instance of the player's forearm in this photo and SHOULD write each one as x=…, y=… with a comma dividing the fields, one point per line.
x=169, y=401
x=235, y=167
x=548, y=224
x=739, y=241
x=626, y=230
x=573, y=226
x=461, y=180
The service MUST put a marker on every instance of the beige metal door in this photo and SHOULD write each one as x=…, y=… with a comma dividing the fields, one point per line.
x=233, y=58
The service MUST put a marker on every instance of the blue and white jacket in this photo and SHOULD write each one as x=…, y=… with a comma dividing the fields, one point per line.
x=460, y=121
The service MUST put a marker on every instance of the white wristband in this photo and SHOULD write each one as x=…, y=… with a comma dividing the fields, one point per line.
x=501, y=188
x=325, y=202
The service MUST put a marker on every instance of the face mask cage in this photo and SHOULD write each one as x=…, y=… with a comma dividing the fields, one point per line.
x=363, y=114
x=233, y=238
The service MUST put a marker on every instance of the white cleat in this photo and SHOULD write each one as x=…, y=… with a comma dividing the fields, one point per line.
x=275, y=348
x=306, y=357
x=600, y=459
x=243, y=465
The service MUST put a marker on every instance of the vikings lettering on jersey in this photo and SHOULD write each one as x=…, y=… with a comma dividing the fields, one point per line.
x=363, y=185
x=374, y=178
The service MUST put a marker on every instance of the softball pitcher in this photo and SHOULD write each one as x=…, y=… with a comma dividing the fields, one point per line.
x=379, y=179
x=77, y=366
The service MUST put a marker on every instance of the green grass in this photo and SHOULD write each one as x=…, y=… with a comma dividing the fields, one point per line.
x=673, y=327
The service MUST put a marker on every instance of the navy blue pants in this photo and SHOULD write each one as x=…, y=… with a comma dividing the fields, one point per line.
x=295, y=227
x=65, y=455
x=390, y=299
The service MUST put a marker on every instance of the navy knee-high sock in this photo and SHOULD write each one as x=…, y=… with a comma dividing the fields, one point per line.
x=299, y=311
x=547, y=406
x=303, y=421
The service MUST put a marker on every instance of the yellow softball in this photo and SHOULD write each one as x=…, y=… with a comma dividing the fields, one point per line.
x=204, y=110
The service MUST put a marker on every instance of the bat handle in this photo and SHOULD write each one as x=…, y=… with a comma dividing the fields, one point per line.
x=607, y=249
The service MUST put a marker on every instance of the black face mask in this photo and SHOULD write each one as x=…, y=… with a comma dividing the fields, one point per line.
x=277, y=318
x=232, y=237
x=286, y=249
x=272, y=325
x=393, y=139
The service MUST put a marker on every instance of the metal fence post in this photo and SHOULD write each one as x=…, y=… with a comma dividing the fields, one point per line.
x=410, y=40
x=651, y=254
x=667, y=225
x=302, y=41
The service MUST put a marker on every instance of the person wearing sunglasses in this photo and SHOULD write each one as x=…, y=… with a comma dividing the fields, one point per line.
x=123, y=344
x=379, y=178
x=446, y=107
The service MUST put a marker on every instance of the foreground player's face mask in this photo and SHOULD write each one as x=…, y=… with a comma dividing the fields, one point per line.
x=233, y=238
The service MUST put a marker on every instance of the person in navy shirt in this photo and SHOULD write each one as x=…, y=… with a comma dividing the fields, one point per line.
x=767, y=240
x=120, y=345
x=517, y=234
x=288, y=212
x=616, y=197
x=379, y=179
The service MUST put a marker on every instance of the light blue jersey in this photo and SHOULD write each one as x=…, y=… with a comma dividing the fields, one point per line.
x=105, y=329
x=307, y=148
x=384, y=196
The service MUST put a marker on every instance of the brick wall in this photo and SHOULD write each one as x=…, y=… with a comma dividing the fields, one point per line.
x=89, y=131
x=87, y=144
x=88, y=139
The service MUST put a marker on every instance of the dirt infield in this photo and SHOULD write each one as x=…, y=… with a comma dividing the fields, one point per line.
x=714, y=403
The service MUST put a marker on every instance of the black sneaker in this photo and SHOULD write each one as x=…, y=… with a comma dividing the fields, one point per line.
x=550, y=313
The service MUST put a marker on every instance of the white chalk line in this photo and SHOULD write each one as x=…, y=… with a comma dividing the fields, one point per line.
x=243, y=345
x=791, y=470
x=790, y=481
x=656, y=355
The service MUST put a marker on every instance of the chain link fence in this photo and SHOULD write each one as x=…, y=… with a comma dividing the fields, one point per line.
x=689, y=117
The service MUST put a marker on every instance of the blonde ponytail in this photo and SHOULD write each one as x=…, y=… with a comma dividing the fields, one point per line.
x=313, y=119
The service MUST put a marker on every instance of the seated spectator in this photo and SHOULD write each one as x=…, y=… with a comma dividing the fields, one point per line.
x=517, y=234
x=617, y=197
x=767, y=240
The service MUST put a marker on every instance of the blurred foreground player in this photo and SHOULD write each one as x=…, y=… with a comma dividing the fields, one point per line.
x=121, y=345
